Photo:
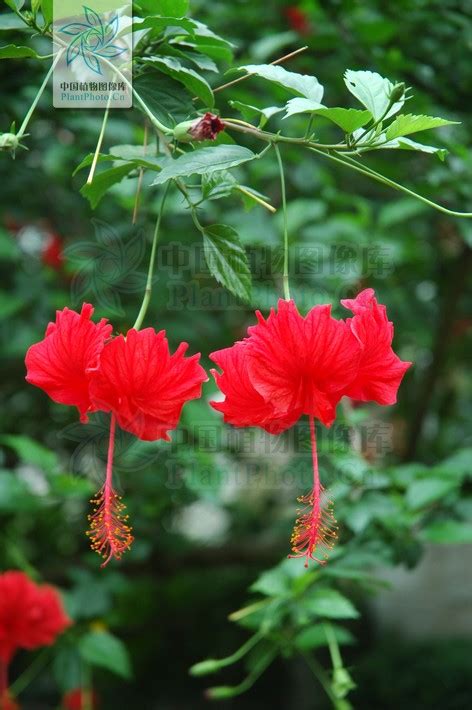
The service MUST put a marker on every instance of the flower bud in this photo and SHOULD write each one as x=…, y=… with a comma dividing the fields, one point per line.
x=221, y=692
x=200, y=129
x=9, y=141
x=204, y=667
x=397, y=93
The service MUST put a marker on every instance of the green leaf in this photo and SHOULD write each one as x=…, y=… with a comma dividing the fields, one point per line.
x=100, y=648
x=67, y=668
x=157, y=24
x=373, y=91
x=31, y=451
x=103, y=181
x=273, y=583
x=170, y=8
x=408, y=123
x=314, y=636
x=15, y=4
x=300, y=84
x=250, y=112
x=448, y=532
x=425, y=491
x=348, y=119
x=295, y=106
x=9, y=21
x=408, y=144
x=204, y=162
x=12, y=51
x=192, y=81
x=330, y=604
x=165, y=97
x=227, y=259
x=47, y=10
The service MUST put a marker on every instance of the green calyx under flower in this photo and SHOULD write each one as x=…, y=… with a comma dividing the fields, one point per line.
x=10, y=141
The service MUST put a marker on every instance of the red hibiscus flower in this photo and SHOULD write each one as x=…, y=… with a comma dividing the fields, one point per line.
x=31, y=616
x=133, y=377
x=144, y=385
x=7, y=702
x=61, y=363
x=289, y=366
x=80, y=699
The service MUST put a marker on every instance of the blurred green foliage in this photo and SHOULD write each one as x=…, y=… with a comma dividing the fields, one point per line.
x=212, y=512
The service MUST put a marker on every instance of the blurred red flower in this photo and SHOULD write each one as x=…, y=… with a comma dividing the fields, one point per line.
x=80, y=699
x=291, y=365
x=7, y=702
x=297, y=19
x=31, y=615
x=52, y=253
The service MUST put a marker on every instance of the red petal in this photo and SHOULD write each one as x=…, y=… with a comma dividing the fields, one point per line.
x=380, y=370
x=60, y=363
x=243, y=405
x=144, y=385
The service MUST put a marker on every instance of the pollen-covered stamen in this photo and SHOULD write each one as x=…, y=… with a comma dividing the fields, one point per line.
x=315, y=531
x=109, y=533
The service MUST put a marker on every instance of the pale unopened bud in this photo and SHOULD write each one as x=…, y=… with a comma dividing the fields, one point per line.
x=9, y=141
x=205, y=128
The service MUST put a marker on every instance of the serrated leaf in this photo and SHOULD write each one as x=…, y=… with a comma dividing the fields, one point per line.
x=373, y=91
x=295, y=106
x=166, y=98
x=100, y=648
x=204, y=162
x=227, y=259
x=192, y=81
x=405, y=124
x=13, y=51
x=407, y=144
x=102, y=183
x=348, y=119
x=301, y=84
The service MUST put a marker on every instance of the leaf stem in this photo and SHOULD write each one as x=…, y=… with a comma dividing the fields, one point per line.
x=284, y=207
x=140, y=176
x=27, y=118
x=30, y=673
x=368, y=172
x=99, y=142
x=148, y=290
x=213, y=665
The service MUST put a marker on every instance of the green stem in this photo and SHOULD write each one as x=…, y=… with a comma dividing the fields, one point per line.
x=333, y=646
x=284, y=207
x=212, y=665
x=148, y=291
x=321, y=676
x=27, y=118
x=30, y=673
x=368, y=172
x=259, y=667
x=99, y=142
x=244, y=127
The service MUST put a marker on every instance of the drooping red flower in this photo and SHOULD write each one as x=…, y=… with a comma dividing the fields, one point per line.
x=52, y=253
x=297, y=19
x=80, y=699
x=289, y=366
x=31, y=615
x=296, y=366
x=144, y=385
x=380, y=369
x=62, y=363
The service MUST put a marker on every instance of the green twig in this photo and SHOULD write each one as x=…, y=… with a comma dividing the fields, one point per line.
x=284, y=207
